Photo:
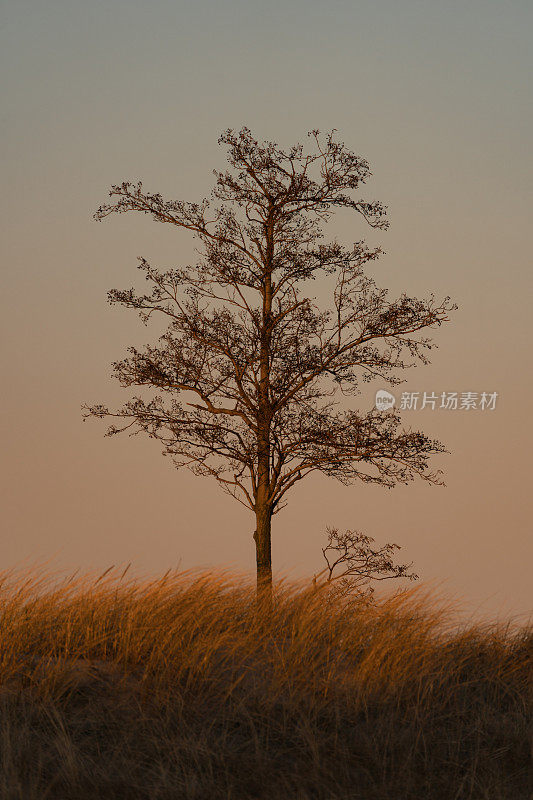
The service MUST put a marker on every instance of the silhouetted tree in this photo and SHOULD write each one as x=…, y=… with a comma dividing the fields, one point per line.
x=255, y=361
x=353, y=563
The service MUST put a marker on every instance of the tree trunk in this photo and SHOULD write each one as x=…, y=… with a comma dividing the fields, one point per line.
x=263, y=507
x=263, y=554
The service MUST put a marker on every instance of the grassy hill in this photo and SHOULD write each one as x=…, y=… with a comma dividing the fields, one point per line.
x=177, y=688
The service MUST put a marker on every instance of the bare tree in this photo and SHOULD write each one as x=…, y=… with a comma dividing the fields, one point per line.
x=353, y=564
x=258, y=365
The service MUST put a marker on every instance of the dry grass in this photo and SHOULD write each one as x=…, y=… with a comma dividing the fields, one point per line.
x=177, y=689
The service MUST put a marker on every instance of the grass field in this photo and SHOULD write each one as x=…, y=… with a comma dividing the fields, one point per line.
x=177, y=688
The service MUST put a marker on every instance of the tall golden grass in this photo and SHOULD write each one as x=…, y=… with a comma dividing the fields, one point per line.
x=178, y=687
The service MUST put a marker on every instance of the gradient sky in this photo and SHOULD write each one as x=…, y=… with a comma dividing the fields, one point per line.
x=436, y=95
